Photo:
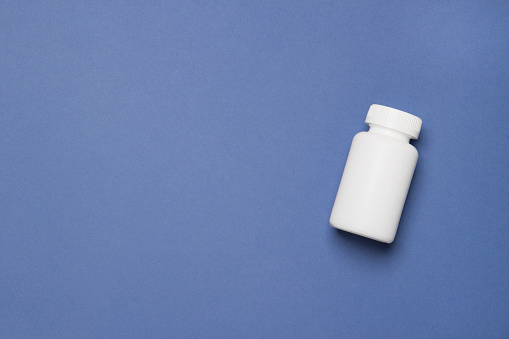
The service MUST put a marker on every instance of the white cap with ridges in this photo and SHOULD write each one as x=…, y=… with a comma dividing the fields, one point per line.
x=394, y=119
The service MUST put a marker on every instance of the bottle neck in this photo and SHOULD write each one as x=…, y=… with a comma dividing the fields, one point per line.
x=381, y=130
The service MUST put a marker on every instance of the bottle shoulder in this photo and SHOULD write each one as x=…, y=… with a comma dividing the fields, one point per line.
x=367, y=138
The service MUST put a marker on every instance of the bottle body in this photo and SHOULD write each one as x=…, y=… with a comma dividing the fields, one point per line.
x=375, y=183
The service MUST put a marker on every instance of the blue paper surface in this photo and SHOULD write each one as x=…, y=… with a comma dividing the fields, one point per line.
x=167, y=169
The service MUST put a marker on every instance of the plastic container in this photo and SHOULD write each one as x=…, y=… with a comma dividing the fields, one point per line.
x=377, y=175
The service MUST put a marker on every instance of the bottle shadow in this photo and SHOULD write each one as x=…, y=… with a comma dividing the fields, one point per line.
x=358, y=243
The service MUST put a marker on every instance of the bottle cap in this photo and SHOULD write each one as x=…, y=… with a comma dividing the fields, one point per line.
x=395, y=119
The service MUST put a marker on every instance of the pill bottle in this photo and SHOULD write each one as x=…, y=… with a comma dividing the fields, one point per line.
x=377, y=175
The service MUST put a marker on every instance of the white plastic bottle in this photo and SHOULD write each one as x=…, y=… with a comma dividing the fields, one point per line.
x=377, y=175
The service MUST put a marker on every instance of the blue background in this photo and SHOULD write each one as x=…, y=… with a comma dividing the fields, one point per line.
x=168, y=169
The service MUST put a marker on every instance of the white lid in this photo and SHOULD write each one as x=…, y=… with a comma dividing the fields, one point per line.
x=395, y=119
